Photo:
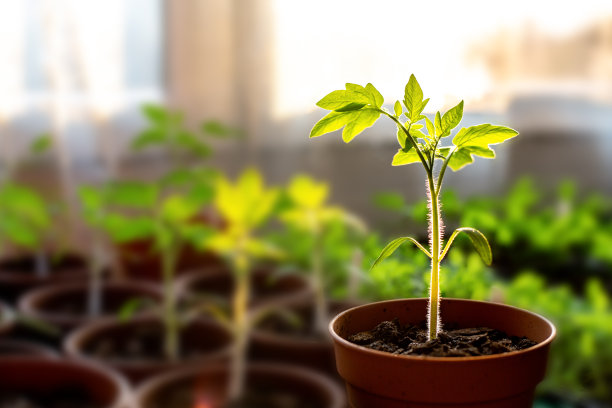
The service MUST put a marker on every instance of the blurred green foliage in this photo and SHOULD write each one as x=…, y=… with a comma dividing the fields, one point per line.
x=24, y=216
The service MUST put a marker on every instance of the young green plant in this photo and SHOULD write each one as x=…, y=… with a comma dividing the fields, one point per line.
x=357, y=108
x=128, y=211
x=244, y=206
x=309, y=214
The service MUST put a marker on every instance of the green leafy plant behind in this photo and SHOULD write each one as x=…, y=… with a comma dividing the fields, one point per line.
x=245, y=206
x=309, y=213
x=357, y=108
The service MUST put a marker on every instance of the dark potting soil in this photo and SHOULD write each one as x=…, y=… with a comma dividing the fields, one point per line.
x=69, y=397
x=392, y=337
x=185, y=395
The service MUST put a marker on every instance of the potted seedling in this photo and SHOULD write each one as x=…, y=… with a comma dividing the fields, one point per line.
x=311, y=221
x=144, y=345
x=68, y=305
x=386, y=358
x=246, y=206
x=186, y=148
x=26, y=226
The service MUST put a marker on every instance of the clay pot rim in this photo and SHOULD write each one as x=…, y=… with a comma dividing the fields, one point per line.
x=301, y=373
x=39, y=349
x=124, y=396
x=26, y=303
x=446, y=360
x=83, y=334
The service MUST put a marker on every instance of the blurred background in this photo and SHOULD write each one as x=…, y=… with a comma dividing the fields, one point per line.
x=102, y=92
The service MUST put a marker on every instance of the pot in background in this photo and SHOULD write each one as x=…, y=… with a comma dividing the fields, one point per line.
x=208, y=385
x=7, y=319
x=208, y=341
x=267, y=288
x=65, y=305
x=297, y=345
x=383, y=380
x=18, y=272
x=51, y=378
x=15, y=347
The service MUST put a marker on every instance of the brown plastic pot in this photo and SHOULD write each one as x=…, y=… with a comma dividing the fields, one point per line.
x=209, y=385
x=41, y=376
x=17, y=273
x=298, y=348
x=45, y=303
x=267, y=289
x=383, y=380
x=212, y=341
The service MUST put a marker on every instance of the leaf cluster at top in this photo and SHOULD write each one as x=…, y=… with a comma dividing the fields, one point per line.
x=357, y=108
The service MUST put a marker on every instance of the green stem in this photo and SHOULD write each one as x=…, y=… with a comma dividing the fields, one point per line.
x=435, y=234
x=171, y=323
x=240, y=304
x=320, y=317
x=443, y=170
x=409, y=138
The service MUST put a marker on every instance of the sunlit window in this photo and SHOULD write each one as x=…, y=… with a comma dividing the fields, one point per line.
x=520, y=47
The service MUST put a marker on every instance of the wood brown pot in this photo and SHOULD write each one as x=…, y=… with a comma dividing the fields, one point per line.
x=267, y=288
x=49, y=303
x=210, y=340
x=297, y=345
x=208, y=385
x=17, y=273
x=46, y=376
x=383, y=380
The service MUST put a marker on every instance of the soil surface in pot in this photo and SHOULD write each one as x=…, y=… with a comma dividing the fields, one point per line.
x=184, y=395
x=144, y=342
x=393, y=337
x=72, y=397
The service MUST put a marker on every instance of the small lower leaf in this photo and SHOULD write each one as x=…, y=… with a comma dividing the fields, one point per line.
x=479, y=241
x=393, y=245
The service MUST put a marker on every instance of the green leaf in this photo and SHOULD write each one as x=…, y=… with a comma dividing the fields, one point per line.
x=361, y=120
x=340, y=99
x=330, y=122
x=402, y=139
x=397, y=108
x=403, y=157
x=132, y=194
x=375, y=97
x=413, y=98
x=438, y=122
x=451, y=119
x=479, y=241
x=155, y=113
x=483, y=135
x=149, y=137
x=463, y=156
x=41, y=144
x=393, y=245
x=219, y=129
x=430, y=128
x=417, y=133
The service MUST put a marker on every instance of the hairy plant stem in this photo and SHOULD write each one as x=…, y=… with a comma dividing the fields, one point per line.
x=320, y=316
x=435, y=233
x=241, y=325
x=170, y=318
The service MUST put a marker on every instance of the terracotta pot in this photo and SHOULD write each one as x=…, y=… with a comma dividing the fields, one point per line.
x=384, y=380
x=48, y=303
x=209, y=385
x=299, y=347
x=17, y=273
x=15, y=347
x=266, y=288
x=7, y=319
x=208, y=340
x=44, y=376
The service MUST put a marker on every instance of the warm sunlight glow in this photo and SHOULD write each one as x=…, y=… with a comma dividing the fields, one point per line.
x=321, y=44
